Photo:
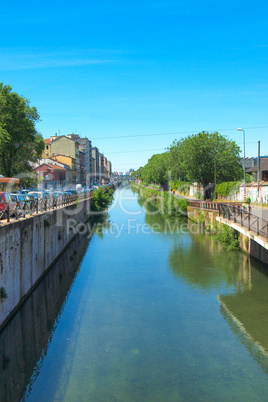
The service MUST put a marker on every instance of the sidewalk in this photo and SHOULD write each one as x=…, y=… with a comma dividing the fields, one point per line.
x=261, y=212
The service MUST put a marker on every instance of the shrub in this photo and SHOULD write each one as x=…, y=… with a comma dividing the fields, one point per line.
x=227, y=236
x=227, y=188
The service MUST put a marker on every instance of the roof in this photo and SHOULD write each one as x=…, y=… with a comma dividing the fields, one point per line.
x=47, y=141
x=63, y=137
x=53, y=167
x=65, y=156
x=263, y=167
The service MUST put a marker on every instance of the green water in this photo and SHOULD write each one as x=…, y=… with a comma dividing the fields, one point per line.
x=155, y=314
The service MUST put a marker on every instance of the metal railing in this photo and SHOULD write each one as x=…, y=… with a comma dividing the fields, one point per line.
x=245, y=218
x=35, y=206
x=237, y=213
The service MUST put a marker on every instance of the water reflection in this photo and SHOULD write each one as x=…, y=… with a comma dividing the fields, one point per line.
x=25, y=340
x=246, y=314
x=196, y=258
x=207, y=266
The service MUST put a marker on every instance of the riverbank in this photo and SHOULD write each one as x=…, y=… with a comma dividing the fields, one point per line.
x=30, y=247
x=222, y=232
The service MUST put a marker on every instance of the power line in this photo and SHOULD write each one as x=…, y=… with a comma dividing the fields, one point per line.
x=163, y=150
x=128, y=151
x=174, y=133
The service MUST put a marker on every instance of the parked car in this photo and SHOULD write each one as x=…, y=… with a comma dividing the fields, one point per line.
x=20, y=200
x=5, y=200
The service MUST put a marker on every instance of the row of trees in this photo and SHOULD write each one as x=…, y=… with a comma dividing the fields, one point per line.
x=200, y=158
x=20, y=143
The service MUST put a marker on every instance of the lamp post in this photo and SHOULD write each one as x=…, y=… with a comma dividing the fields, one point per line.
x=244, y=161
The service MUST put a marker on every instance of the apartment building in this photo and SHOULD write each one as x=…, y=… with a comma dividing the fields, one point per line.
x=109, y=169
x=95, y=163
x=86, y=148
x=68, y=147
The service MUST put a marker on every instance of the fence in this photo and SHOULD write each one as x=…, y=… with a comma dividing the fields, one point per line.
x=38, y=205
x=236, y=213
x=245, y=219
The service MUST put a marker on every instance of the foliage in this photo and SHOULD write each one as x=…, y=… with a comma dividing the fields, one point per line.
x=247, y=200
x=196, y=157
x=19, y=141
x=102, y=198
x=166, y=202
x=250, y=177
x=156, y=170
x=227, y=236
x=226, y=188
x=28, y=180
x=182, y=186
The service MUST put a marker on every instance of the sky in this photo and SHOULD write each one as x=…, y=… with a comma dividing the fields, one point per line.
x=133, y=76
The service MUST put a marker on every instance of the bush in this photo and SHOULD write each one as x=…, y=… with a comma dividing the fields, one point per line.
x=102, y=198
x=227, y=236
x=166, y=202
x=227, y=188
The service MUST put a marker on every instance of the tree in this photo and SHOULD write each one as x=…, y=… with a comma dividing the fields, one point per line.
x=201, y=156
x=19, y=141
x=156, y=170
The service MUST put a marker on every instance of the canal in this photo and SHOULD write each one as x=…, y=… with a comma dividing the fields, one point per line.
x=147, y=309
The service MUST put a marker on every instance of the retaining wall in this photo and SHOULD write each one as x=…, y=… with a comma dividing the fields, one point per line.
x=247, y=240
x=29, y=247
x=26, y=337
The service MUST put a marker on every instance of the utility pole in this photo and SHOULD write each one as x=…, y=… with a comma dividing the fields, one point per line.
x=244, y=161
x=259, y=168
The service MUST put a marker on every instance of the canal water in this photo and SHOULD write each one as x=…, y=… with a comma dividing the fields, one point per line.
x=148, y=309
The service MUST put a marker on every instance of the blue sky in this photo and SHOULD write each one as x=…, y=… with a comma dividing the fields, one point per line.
x=130, y=69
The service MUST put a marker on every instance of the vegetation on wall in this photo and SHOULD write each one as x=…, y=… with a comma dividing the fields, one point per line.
x=166, y=203
x=226, y=235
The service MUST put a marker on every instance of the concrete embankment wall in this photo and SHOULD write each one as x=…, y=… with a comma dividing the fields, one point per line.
x=25, y=338
x=246, y=239
x=29, y=247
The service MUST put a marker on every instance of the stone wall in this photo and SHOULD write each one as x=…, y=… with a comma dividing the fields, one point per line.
x=29, y=247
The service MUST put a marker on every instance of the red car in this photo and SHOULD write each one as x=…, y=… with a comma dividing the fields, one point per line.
x=5, y=200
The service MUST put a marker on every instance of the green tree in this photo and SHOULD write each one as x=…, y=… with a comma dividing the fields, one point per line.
x=102, y=198
x=19, y=141
x=199, y=156
x=156, y=170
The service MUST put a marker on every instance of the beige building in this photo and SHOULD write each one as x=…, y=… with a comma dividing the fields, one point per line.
x=67, y=160
x=109, y=169
x=66, y=146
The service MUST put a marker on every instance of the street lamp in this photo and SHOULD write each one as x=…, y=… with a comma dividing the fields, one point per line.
x=244, y=162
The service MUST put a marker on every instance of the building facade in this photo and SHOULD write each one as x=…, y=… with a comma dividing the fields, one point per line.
x=66, y=146
x=86, y=148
